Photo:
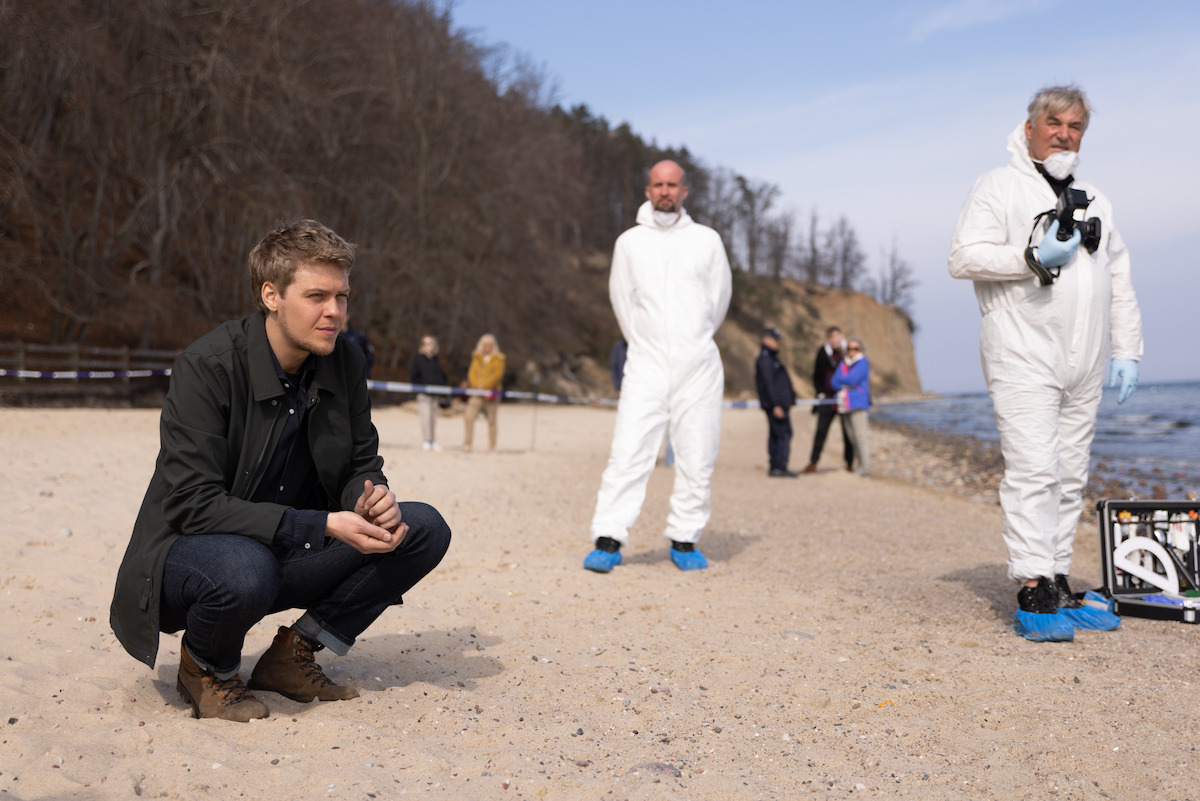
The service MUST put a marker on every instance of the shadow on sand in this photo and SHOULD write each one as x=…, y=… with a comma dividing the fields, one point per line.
x=717, y=546
x=989, y=581
x=444, y=658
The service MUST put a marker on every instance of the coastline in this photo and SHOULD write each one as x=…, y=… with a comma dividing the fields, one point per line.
x=1148, y=449
x=851, y=636
x=973, y=467
x=964, y=465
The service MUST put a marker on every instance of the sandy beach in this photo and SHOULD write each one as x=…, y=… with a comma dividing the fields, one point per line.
x=852, y=638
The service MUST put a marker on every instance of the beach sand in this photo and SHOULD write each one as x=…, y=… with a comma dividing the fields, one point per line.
x=852, y=636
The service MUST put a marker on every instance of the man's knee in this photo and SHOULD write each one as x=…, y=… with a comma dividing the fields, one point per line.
x=256, y=597
x=426, y=526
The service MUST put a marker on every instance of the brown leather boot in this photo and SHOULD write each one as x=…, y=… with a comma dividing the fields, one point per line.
x=288, y=668
x=210, y=697
x=810, y=468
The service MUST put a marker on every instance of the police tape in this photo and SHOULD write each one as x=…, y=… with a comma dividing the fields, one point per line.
x=74, y=374
x=486, y=394
x=392, y=386
x=540, y=397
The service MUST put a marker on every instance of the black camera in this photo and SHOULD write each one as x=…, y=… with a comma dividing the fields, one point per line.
x=1071, y=202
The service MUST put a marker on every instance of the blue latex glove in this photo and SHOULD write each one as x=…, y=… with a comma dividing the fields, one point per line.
x=1053, y=253
x=1123, y=371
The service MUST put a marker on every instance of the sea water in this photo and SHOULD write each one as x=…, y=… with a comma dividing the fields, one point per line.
x=1155, y=433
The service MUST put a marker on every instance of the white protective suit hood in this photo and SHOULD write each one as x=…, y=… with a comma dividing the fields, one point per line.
x=1018, y=148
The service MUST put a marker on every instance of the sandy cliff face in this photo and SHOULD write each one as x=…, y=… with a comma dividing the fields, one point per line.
x=803, y=313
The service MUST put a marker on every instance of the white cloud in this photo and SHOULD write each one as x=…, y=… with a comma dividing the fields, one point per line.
x=970, y=13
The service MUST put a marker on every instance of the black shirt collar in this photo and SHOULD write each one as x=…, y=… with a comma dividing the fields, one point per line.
x=301, y=379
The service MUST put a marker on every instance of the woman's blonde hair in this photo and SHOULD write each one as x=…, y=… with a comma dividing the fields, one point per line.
x=487, y=338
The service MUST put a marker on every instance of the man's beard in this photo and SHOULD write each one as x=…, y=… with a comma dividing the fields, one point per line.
x=667, y=205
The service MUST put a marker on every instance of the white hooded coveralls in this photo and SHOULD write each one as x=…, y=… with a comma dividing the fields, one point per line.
x=670, y=288
x=1044, y=352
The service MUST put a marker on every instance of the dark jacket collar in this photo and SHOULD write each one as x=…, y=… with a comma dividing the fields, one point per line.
x=263, y=377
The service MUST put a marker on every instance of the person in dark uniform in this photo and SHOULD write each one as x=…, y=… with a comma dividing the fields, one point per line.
x=776, y=396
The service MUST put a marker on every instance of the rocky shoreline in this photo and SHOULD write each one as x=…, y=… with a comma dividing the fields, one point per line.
x=972, y=467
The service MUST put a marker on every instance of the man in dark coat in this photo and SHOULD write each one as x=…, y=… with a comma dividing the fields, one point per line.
x=359, y=338
x=776, y=396
x=269, y=494
x=829, y=356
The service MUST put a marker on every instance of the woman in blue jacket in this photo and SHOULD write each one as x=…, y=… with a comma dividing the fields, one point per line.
x=852, y=381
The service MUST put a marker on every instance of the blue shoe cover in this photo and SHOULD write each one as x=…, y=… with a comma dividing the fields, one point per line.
x=688, y=560
x=1044, y=628
x=1098, y=600
x=1091, y=617
x=602, y=561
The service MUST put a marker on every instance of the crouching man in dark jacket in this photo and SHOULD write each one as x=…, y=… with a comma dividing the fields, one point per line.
x=269, y=494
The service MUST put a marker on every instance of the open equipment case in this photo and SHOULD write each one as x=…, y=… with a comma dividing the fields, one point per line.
x=1150, y=558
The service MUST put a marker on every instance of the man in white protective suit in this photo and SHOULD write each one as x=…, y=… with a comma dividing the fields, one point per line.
x=1052, y=306
x=670, y=288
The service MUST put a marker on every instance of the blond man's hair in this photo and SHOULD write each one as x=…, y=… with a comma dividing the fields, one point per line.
x=281, y=252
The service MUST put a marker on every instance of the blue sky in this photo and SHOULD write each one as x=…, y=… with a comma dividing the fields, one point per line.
x=887, y=112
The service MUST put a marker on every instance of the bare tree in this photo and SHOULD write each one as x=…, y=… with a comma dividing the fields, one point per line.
x=813, y=265
x=896, y=281
x=719, y=209
x=754, y=201
x=846, y=259
x=777, y=236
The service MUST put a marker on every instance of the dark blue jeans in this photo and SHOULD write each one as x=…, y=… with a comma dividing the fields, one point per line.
x=217, y=586
x=779, y=440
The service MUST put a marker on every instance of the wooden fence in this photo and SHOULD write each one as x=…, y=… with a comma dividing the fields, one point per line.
x=70, y=365
x=75, y=358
